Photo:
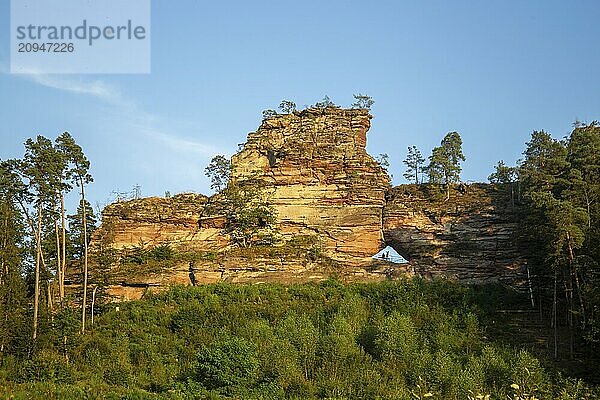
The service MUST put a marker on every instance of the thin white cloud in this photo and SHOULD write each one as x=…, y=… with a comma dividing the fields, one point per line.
x=96, y=88
x=175, y=142
x=140, y=121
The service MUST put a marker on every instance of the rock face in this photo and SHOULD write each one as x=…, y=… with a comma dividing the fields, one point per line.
x=470, y=237
x=152, y=221
x=314, y=166
x=335, y=209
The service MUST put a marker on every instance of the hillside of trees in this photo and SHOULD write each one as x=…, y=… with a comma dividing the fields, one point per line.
x=409, y=339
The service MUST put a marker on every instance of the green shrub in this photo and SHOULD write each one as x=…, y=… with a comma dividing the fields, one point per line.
x=46, y=366
x=227, y=364
x=162, y=252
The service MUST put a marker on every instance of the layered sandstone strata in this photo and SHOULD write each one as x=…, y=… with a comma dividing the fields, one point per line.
x=319, y=177
x=183, y=219
x=335, y=209
x=471, y=237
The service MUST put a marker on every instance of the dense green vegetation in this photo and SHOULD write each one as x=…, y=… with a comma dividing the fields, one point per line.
x=556, y=188
x=409, y=339
x=554, y=194
x=402, y=340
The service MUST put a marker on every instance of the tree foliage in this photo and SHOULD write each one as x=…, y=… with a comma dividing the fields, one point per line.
x=560, y=182
x=287, y=107
x=503, y=174
x=218, y=170
x=444, y=163
x=13, y=295
x=384, y=161
x=325, y=103
x=414, y=164
x=33, y=189
x=388, y=340
x=268, y=114
x=251, y=218
x=363, y=101
x=76, y=228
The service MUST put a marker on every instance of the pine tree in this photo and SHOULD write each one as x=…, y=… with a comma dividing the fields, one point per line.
x=41, y=168
x=414, y=164
x=444, y=162
x=64, y=187
x=79, y=174
x=555, y=223
x=287, y=107
x=325, y=103
x=505, y=176
x=583, y=156
x=384, y=161
x=363, y=101
x=218, y=171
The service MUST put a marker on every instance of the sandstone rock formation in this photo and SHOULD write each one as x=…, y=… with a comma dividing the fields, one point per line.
x=316, y=170
x=335, y=209
x=152, y=221
x=470, y=237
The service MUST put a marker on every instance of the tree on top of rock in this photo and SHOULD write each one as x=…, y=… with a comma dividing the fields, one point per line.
x=505, y=176
x=503, y=173
x=414, y=164
x=269, y=114
x=287, y=107
x=384, y=161
x=363, y=101
x=325, y=103
x=444, y=162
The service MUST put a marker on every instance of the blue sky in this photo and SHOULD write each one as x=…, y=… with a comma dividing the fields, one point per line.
x=493, y=71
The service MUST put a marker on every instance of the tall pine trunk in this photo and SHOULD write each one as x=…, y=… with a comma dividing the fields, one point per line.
x=64, y=246
x=3, y=263
x=58, y=262
x=36, y=231
x=36, y=298
x=85, y=255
